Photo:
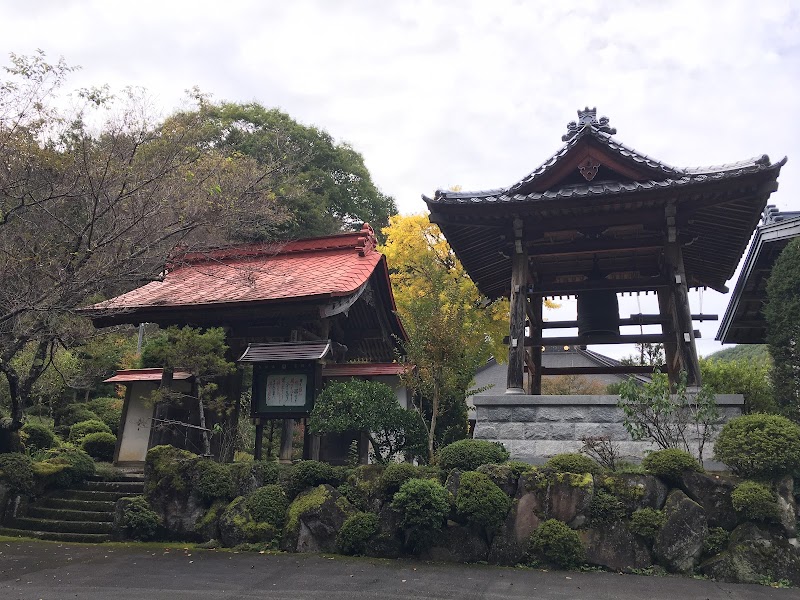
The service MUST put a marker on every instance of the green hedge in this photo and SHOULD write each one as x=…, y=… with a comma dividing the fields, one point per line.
x=670, y=463
x=269, y=504
x=80, y=430
x=100, y=445
x=480, y=502
x=423, y=506
x=356, y=532
x=554, y=542
x=16, y=470
x=36, y=436
x=755, y=501
x=572, y=462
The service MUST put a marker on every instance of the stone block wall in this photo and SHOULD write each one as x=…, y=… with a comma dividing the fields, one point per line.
x=534, y=428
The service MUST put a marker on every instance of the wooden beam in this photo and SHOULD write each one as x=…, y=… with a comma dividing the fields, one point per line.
x=617, y=285
x=639, y=338
x=604, y=370
x=587, y=246
x=633, y=320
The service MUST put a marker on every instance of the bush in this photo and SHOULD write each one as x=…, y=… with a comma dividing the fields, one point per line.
x=716, y=541
x=213, y=481
x=108, y=410
x=166, y=469
x=80, y=430
x=77, y=465
x=480, y=501
x=554, y=542
x=572, y=462
x=74, y=413
x=16, y=470
x=356, y=532
x=267, y=472
x=423, y=505
x=759, y=445
x=36, y=436
x=606, y=507
x=647, y=522
x=138, y=519
x=394, y=476
x=670, y=463
x=100, y=445
x=755, y=501
x=306, y=474
x=268, y=504
x=468, y=455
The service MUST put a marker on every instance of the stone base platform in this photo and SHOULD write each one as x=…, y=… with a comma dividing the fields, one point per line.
x=534, y=428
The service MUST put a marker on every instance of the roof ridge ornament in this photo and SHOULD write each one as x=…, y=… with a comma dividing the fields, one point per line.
x=587, y=116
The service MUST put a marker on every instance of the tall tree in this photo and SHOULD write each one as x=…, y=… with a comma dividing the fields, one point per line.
x=95, y=197
x=782, y=313
x=452, y=329
x=332, y=189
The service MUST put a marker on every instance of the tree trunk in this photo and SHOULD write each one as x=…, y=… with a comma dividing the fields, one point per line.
x=432, y=429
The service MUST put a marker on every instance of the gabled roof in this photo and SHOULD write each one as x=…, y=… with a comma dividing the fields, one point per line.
x=314, y=268
x=602, y=198
x=286, y=351
x=744, y=321
x=130, y=375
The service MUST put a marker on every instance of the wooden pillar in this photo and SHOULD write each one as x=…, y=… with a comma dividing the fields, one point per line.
x=516, y=342
x=681, y=311
x=665, y=307
x=257, y=451
x=534, y=310
x=287, y=433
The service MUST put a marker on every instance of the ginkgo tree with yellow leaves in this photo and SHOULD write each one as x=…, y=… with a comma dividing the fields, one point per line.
x=453, y=329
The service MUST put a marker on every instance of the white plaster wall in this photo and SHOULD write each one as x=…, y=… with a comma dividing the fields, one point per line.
x=136, y=428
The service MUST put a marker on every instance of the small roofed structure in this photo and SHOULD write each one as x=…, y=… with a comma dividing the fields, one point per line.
x=744, y=321
x=597, y=219
x=329, y=296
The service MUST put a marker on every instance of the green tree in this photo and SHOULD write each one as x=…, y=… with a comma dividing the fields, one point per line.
x=95, y=195
x=370, y=407
x=202, y=353
x=450, y=335
x=782, y=313
x=752, y=378
x=331, y=188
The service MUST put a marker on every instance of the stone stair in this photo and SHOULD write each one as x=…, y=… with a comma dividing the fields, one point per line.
x=84, y=514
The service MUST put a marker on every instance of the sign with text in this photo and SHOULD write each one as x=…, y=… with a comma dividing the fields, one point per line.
x=286, y=390
x=283, y=389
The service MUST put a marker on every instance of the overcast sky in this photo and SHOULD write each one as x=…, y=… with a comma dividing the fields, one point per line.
x=476, y=94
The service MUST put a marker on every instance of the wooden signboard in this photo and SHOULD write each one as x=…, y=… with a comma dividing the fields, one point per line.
x=282, y=390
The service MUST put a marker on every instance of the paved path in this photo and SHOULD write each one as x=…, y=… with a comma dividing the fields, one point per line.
x=52, y=571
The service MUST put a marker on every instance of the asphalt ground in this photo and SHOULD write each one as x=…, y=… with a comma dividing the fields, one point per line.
x=32, y=570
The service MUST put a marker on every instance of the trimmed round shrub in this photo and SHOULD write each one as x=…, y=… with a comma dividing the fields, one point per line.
x=572, y=462
x=554, y=542
x=755, y=501
x=80, y=430
x=716, y=541
x=423, y=505
x=108, y=410
x=308, y=473
x=36, y=436
x=213, y=481
x=74, y=413
x=77, y=465
x=167, y=469
x=606, y=507
x=139, y=520
x=16, y=470
x=759, y=445
x=394, y=476
x=481, y=502
x=356, y=532
x=268, y=504
x=670, y=463
x=468, y=455
x=267, y=472
x=100, y=445
x=647, y=522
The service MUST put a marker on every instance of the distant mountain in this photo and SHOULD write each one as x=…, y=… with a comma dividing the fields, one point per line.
x=758, y=352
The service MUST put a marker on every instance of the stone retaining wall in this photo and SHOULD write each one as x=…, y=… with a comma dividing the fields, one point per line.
x=534, y=428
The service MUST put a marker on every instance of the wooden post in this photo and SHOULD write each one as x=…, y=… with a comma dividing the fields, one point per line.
x=316, y=440
x=516, y=342
x=259, y=439
x=287, y=433
x=535, y=317
x=681, y=311
x=665, y=307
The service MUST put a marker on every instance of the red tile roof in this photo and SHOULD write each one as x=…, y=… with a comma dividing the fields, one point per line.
x=323, y=267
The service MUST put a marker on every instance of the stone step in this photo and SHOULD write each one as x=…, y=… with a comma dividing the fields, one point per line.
x=65, y=514
x=58, y=536
x=130, y=487
x=84, y=505
x=57, y=526
x=90, y=495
